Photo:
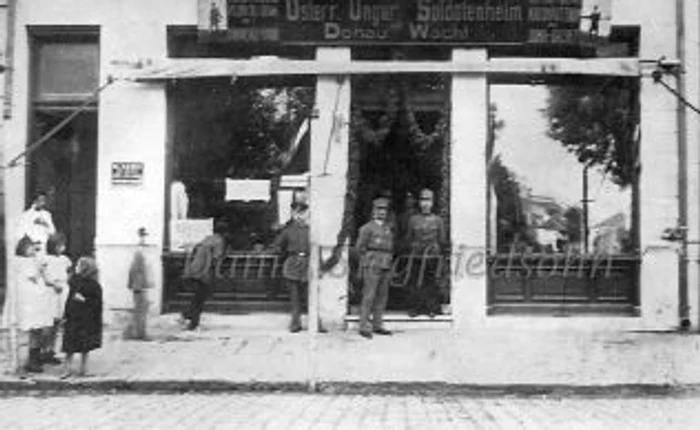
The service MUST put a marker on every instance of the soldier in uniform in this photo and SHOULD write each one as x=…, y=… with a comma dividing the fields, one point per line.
x=293, y=243
x=375, y=247
x=426, y=236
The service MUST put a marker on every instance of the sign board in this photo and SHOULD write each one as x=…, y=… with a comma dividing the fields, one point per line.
x=394, y=22
x=248, y=190
x=185, y=233
x=127, y=172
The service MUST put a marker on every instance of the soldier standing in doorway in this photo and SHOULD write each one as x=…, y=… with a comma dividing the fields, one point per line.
x=375, y=247
x=426, y=236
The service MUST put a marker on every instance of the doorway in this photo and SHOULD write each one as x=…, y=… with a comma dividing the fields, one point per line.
x=65, y=168
x=400, y=137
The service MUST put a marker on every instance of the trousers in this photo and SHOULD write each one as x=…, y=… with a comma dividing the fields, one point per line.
x=375, y=293
x=140, y=314
x=202, y=291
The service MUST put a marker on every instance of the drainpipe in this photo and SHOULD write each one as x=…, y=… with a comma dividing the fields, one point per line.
x=683, y=311
x=9, y=57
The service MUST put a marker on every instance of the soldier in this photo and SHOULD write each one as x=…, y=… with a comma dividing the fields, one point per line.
x=139, y=283
x=426, y=236
x=293, y=243
x=375, y=246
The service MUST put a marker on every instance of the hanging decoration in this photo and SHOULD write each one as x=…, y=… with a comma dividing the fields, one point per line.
x=363, y=132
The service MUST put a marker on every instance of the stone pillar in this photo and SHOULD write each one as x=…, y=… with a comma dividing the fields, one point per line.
x=658, y=206
x=329, y=164
x=469, y=128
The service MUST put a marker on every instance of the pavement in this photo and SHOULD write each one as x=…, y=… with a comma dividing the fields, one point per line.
x=255, y=352
x=318, y=412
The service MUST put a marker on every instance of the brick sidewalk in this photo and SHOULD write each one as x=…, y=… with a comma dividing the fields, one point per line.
x=243, y=350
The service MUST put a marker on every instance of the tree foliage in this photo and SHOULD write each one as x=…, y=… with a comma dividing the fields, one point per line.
x=599, y=123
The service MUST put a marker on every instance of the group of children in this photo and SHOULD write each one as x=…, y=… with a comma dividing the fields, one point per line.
x=48, y=294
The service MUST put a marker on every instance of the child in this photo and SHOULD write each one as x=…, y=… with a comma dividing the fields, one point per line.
x=32, y=312
x=83, y=315
x=57, y=269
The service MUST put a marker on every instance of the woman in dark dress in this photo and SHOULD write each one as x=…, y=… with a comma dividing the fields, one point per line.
x=83, y=315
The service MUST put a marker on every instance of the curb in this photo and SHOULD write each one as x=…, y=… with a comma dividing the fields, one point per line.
x=114, y=386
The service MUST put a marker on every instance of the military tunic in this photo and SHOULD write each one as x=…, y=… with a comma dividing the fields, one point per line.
x=375, y=246
x=293, y=242
x=426, y=237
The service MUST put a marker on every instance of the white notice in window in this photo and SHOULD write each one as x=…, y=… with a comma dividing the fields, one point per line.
x=248, y=190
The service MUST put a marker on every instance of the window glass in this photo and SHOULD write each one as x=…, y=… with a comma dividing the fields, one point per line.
x=66, y=70
x=240, y=151
x=563, y=163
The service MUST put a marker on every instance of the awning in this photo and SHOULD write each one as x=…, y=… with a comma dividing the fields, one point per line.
x=187, y=68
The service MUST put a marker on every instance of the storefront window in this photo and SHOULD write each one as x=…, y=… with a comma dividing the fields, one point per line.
x=563, y=162
x=235, y=151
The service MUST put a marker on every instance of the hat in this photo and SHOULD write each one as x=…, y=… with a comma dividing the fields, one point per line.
x=380, y=203
x=426, y=194
x=300, y=200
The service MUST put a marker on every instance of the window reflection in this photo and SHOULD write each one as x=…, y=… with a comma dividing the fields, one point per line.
x=562, y=163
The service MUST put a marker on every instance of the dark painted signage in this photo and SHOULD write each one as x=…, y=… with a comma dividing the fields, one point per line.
x=394, y=22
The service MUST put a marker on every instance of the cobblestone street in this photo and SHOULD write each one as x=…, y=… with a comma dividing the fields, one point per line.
x=301, y=411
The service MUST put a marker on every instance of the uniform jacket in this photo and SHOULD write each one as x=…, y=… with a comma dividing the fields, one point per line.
x=201, y=261
x=426, y=233
x=375, y=245
x=293, y=243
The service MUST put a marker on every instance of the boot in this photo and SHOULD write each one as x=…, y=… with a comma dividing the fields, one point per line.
x=34, y=361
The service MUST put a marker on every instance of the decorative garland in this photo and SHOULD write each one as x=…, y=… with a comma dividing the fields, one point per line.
x=361, y=131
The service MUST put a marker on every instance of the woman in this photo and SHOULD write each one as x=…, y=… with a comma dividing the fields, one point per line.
x=83, y=315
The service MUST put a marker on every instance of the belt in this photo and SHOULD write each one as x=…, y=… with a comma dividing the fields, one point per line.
x=380, y=250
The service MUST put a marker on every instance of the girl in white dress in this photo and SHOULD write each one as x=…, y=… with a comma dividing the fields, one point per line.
x=58, y=267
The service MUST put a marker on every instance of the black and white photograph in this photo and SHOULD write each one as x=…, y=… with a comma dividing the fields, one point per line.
x=350, y=214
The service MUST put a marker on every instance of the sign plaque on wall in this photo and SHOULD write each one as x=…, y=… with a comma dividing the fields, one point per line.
x=127, y=172
x=399, y=22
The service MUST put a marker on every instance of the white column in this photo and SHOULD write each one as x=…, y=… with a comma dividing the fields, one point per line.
x=329, y=164
x=692, y=93
x=132, y=128
x=469, y=125
x=658, y=206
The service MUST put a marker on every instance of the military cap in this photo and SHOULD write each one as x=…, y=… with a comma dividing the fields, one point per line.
x=426, y=194
x=380, y=203
x=300, y=201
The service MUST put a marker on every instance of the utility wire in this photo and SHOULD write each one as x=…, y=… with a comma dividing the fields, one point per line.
x=677, y=94
x=34, y=146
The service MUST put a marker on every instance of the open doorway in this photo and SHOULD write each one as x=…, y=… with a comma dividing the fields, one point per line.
x=65, y=168
x=400, y=139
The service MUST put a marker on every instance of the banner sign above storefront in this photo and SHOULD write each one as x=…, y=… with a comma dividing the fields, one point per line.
x=401, y=22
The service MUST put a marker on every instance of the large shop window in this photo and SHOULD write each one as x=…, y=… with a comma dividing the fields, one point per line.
x=563, y=166
x=238, y=156
x=65, y=73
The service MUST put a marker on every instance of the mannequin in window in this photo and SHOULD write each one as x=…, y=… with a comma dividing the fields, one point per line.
x=179, y=201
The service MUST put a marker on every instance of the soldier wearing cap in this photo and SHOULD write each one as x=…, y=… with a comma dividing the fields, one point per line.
x=375, y=247
x=426, y=237
x=293, y=243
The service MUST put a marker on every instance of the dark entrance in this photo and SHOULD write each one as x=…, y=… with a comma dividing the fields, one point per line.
x=65, y=168
x=399, y=132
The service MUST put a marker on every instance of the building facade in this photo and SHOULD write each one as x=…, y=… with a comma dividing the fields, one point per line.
x=131, y=69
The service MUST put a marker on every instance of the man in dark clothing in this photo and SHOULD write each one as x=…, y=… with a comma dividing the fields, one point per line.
x=426, y=236
x=199, y=272
x=375, y=247
x=293, y=244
